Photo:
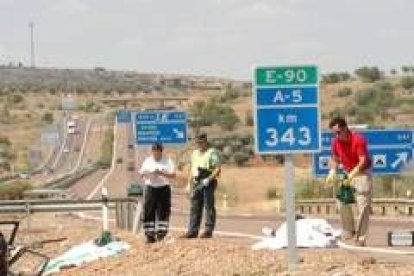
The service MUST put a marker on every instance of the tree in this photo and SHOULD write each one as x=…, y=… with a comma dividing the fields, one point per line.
x=405, y=69
x=47, y=118
x=368, y=74
x=344, y=92
x=248, y=118
x=228, y=120
x=240, y=158
x=407, y=82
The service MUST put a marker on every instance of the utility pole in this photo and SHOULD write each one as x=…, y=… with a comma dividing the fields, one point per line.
x=32, y=53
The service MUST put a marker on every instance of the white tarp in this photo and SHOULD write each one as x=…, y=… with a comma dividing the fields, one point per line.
x=309, y=233
x=83, y=253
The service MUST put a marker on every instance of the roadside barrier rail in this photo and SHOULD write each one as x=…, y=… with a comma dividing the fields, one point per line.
x=127, y=210
x=379, y=206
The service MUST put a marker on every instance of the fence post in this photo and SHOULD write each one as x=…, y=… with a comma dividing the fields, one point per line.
x=28, y=213
x=137, y=218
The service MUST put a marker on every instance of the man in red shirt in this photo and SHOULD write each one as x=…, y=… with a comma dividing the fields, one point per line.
x=350, y=149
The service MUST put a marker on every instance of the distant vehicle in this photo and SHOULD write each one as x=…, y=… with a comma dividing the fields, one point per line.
x=130, y=146
x=24, y=175
x=65, y=150
x=71, y=127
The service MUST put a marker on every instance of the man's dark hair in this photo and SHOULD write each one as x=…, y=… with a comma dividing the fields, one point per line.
x=157, y=146
x=340, y=121
x=201, y=136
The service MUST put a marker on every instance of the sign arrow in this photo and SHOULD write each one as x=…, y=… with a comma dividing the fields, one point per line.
x=179, y=134
x=401, y=157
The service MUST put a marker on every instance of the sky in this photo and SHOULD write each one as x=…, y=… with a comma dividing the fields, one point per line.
x=222, y=38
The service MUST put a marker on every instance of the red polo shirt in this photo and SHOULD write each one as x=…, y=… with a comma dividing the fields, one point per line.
x=350, y=150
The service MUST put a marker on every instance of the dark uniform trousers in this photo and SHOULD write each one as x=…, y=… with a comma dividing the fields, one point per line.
x=203, y=196
x=157, y=210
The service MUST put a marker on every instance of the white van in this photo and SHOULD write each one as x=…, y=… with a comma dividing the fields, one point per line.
x=71, y=127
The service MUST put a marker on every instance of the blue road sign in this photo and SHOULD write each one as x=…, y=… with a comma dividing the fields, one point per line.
x=384, y=160
x=390, y=150
x=287, y=129
x=124, y=116
x=284, y=95
x=378, y=137
x=287, y=116
x=167, y=127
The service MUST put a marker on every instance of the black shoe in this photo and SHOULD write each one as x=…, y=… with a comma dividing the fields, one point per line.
x=206, y=235
x=150, y=239
x=188, y=235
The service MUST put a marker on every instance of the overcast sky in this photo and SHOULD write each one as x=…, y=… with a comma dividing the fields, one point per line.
x=221, y=38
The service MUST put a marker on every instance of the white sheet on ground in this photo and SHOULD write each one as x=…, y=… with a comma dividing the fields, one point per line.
x=83, y=253
x=309, y=233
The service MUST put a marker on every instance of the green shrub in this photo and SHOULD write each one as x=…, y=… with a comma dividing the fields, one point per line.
x=105, y=159
x=344, y=92
x=14, y=190
x=240, y=158
x=368, y=74
x=272, y=193
x=47, y=118
x=248, y=118
x=335, y=77
x=407, y=82
x=384, y=86
x=228, y=120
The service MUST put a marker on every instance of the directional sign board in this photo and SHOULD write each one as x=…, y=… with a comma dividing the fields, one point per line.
x=167, y=127
x=390, y=150
x=287, y=117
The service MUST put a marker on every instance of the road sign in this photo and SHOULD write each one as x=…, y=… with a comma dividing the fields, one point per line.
x=167, y=127
x=287, y=116
x=378, y=137
x=287, y=120
x=124, y=116
x=390, y=150
x=286, y=75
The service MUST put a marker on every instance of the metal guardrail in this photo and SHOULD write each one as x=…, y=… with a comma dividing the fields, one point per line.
x=127, y=210
x=379, y=206
x=65, y=205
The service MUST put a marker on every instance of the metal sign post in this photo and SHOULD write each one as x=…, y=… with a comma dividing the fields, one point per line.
x=287, y=120
x=290, y=212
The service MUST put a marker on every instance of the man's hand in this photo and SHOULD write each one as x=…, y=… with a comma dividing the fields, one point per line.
x=206, y=181
x=331, y=178
x=158, y=172
x=353, y=173
x=351, y=176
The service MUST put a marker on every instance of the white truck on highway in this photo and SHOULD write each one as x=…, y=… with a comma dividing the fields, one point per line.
x=71, y=127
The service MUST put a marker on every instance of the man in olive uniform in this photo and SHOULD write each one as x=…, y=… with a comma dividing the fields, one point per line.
x=205, y=167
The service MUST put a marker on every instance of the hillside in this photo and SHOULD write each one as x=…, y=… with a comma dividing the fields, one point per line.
x=31, y=100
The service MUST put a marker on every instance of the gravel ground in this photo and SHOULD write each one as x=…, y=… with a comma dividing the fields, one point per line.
x=217, y=256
